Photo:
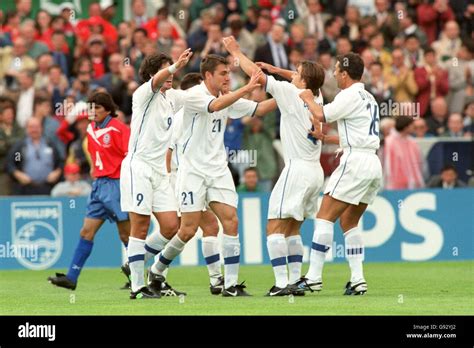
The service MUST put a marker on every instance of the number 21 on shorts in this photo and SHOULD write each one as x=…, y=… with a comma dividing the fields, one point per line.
x=187, y=198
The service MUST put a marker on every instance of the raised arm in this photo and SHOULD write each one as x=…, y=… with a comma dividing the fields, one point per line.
x=162, y=75
x=286, y=74
x=249, y=67
x=315, y=109
x=228, y=99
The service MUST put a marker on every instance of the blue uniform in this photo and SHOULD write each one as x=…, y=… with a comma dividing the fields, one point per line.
x=104, y=201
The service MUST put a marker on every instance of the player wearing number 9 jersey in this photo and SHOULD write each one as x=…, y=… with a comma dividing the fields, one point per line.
x=357, y=179
x=144, y=180
x=107, y=139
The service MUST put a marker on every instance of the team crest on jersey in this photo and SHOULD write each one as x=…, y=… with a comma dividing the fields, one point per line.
x=106, y=139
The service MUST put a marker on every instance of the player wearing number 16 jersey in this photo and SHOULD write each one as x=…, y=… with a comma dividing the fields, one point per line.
x=357, y=179
x=107, y=139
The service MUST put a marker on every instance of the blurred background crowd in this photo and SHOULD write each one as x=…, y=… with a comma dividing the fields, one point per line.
x=417, y=54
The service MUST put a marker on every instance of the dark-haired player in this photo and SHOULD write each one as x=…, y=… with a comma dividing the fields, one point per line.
x=144, y=181
x=295, y=195
x=204, y=179
x=356, y=181
x=209, y=225
x=107, y=142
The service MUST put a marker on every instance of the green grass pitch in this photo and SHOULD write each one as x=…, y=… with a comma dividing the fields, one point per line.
x=428, y=288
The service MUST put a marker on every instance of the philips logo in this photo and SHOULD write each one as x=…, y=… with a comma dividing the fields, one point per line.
x=37, y=331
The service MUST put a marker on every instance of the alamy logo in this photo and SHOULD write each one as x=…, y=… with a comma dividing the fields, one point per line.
x=37, y=331
x=38, y=225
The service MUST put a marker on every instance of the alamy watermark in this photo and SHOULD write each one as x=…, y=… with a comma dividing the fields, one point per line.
x=393, y=108
x=9, y=250
x=248, y=157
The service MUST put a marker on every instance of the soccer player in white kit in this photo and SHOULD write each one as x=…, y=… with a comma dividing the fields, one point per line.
x=356, y=181
x=144, y=182
x=204, y=178
x=295, y=195
x=209, y=225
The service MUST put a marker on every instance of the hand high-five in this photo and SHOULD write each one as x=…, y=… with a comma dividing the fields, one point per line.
x=268, y=67
x=231, y=45
x=184, y=58
x=253, y=83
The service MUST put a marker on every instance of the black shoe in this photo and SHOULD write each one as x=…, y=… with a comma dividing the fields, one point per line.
x=217, y=289
x=234, y=291
x=125, y=268
x=359, y=288
x=295, y=290
x=276, y=291
x=62, y=281
x=304, y=285
x=144, y=293
x=167, y=290
x=155, y=282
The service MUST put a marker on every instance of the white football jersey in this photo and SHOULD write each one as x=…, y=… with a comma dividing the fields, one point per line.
x=152, y=118
x=295, y=121
x=357, y=116
x=201, y=146
x=177, y=131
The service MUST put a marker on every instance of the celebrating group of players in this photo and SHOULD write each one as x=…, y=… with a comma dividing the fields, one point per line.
x=172, y=163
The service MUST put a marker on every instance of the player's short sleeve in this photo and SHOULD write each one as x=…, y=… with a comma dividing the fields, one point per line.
x=338, y=109
x=197, y=101
x=241, y=108
x=178, y=98
x=143, y=93
x=277, y=88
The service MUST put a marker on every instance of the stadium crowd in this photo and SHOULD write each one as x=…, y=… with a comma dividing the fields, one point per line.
x=417, y=53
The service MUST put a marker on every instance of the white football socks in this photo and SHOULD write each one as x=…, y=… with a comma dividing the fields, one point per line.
x=154, y=243
x=231, y=253
x=278, y=252
x=355, y=253
x=210, y=251
x=136, y=261
x=322, y=240
x=168, y=254
x=295, y=258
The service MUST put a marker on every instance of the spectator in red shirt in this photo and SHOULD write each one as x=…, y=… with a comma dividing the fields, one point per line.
x=57, y=25
x=432, y=81
x=432, y=17
x=12, y=25
x=96, y=51
x=42, y=21
x=152, y=27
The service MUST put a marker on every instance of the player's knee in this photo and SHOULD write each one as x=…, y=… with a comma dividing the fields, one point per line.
x=139, y=231
x=231, y=225
x=87, y=233
x=210, y=229
x=169, y=229
x=186, y=233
